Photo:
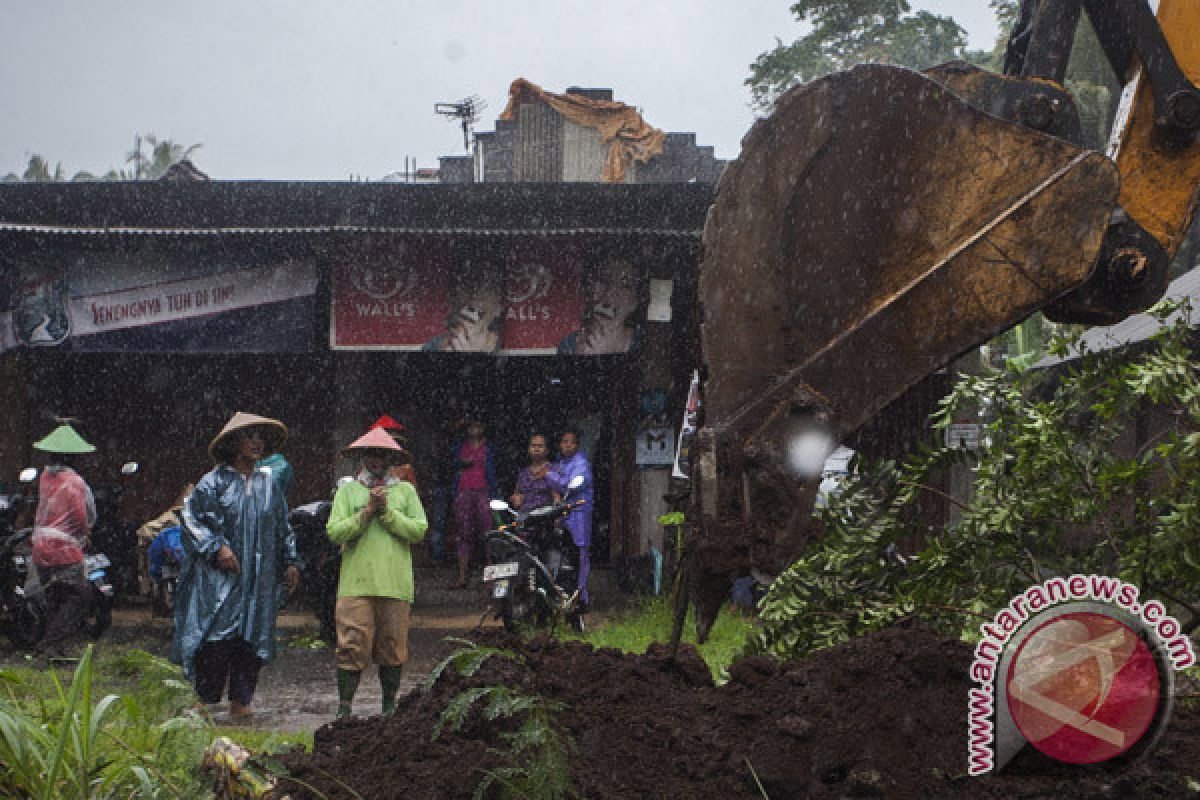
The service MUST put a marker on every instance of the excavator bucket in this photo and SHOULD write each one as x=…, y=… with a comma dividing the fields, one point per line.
x=874, y=227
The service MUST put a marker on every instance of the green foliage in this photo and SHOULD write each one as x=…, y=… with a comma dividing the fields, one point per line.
x=1059, y=487
x=147, y=164
x=466, y=660
x=64, y=746
x=535, y=761
x=650, y=621
x=143, y=739
x=848, y=32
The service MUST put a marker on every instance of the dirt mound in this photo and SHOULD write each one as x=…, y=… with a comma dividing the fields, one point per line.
x=881, y=716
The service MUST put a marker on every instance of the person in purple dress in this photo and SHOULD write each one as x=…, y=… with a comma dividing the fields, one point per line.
x=533, y=485
x=573, y=462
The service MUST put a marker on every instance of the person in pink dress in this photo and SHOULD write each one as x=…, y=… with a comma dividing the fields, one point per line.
x=474, y=487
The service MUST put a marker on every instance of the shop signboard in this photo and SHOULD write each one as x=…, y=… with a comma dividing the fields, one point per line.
x=111, y=302
x=505, y=296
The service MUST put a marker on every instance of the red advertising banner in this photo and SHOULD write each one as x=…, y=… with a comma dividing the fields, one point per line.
x=389, y=294
x=496, y=295
x=542, y=290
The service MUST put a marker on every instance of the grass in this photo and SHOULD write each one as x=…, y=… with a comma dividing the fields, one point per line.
x=635, y=629
x=143, y=737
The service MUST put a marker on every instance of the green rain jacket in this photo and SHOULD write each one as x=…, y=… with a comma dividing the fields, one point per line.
x=376, y=560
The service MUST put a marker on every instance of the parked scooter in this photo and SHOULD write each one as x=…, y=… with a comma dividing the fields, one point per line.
x=322, y=561
x=22, y=596
x=533, y=582
x=116, y=538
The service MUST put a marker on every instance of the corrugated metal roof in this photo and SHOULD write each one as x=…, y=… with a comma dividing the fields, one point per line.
x=70, y=230
x=1137, y=328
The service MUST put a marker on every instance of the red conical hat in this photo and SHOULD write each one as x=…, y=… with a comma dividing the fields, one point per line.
x=374, y=439
x=387, y=423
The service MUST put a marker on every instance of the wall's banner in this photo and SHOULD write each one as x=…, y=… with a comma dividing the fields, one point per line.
x=118, y=302
x=389, y=295
x=502, y=296
x=542, y=294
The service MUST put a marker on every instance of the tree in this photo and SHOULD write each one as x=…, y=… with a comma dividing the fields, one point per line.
x=1059, y=488
x=161, y=157
x=848, y=32
x=38, y=171
x=151, y=165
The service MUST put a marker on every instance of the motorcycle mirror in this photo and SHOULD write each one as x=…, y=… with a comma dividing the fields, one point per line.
x=129, y=468
x=576, y=482
x=28, y=474
x=498, y=505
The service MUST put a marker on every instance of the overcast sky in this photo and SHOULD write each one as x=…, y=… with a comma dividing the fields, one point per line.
x=326, y=89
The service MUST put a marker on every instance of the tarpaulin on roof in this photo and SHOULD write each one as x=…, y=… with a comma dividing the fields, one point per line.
x=628, y=136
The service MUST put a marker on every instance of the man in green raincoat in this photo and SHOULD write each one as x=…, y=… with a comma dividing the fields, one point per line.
x=237, y=545
x=376, y=518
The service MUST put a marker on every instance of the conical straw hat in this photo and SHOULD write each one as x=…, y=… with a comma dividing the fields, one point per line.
x=374, y=439
x=222, y=449
x=64, y=439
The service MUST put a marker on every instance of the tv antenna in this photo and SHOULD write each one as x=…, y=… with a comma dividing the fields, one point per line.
x=467, y=111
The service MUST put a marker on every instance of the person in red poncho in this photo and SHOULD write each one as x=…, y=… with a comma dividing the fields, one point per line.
x=63, y=522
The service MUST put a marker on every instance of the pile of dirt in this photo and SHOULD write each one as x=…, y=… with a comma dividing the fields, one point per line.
x=880, y=716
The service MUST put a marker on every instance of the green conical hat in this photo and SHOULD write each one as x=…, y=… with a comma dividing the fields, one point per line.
x=64, y=439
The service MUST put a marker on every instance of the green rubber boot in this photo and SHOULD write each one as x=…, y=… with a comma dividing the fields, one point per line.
x=347, y=685
x=389, y=681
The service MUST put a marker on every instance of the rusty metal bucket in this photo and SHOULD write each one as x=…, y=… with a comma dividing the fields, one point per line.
x=874, y=227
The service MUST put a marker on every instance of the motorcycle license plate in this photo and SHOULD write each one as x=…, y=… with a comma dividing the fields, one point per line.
x=496, y=571
x=98, y=561
x=500, y=588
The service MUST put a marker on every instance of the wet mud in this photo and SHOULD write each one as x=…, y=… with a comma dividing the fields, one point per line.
x=881, y=716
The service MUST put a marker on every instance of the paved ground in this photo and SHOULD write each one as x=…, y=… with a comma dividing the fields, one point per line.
x=297, y=691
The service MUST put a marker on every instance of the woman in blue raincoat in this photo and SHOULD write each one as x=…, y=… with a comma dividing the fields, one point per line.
x=237, y=545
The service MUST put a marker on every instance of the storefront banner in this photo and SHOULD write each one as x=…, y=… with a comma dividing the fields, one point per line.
x=510, y=297
x=173, y=301
x=389, y=295
x=114, y=302
x=542, y=295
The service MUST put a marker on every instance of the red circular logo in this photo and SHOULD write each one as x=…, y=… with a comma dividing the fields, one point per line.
x=1083, y=688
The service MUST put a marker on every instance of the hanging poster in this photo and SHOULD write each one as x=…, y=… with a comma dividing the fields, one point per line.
x=483, y=294
x=158, y=302
x=543, y=303
x=687, y=431
x=655, y=447
x=389, y=294
x=608, y=322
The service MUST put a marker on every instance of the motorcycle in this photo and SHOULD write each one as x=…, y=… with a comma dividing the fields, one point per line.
x=165, y=554
x=23, y=597
x=532, y=583
x=322, y=561
x=115, y=538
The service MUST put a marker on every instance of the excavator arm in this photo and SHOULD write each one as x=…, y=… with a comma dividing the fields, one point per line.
x=882, y=221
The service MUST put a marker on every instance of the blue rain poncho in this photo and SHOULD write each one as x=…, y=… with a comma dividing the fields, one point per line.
x=250, y=516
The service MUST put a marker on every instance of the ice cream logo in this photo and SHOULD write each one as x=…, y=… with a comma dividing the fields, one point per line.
x=527, y=282
x=383, y=281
